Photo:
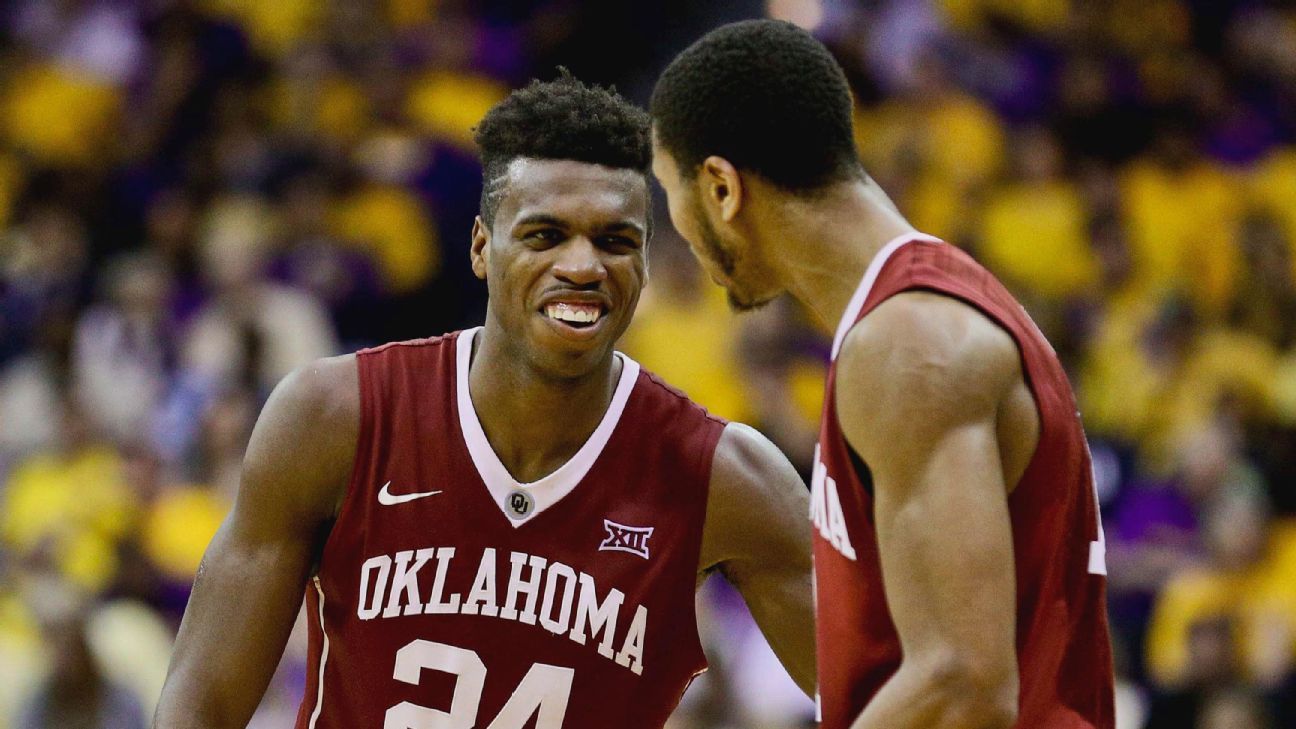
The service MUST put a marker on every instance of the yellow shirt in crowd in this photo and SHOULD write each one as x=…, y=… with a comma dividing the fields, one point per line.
x=75, y=508
x=1035, y=238
x=1183, y=231
x=1266, y=591
x=693, y=346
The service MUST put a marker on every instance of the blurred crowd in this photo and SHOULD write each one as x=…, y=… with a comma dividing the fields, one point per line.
x=197, y=196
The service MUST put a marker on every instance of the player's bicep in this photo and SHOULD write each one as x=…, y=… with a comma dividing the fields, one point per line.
x=756, y=506
x=945, y=543
x=758, y=535
x=918, y=392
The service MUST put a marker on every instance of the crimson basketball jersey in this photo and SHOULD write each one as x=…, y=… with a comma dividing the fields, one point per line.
x=1063, y=647
x=450, y=596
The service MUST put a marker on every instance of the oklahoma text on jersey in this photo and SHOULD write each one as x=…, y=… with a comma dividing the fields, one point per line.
x=539, y=592
x=826, y=510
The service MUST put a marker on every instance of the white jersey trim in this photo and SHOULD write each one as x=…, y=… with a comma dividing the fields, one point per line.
x=319, y=688
x=552, y=488
x=866, y=284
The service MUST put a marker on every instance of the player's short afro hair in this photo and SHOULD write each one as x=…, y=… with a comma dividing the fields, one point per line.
x=563, y=119
x=764, y=95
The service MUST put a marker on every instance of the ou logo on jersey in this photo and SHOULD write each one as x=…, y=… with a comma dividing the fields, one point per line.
x=519, y=503
x=826, y=510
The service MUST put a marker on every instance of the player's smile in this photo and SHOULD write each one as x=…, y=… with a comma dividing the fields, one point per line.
x=576, y=315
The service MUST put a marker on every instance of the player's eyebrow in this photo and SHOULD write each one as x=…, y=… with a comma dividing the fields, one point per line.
x=540, y=219
x=620, y=226
x=623, y=226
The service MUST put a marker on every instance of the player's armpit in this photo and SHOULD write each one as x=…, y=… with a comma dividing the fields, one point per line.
x=250, y=585
x=918, y=390
x=757, y=534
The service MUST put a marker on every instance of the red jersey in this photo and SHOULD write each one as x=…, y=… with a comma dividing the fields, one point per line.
x=449, y=595
x=1063, y=647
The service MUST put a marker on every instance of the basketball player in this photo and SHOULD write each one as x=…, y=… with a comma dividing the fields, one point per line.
x=503, y=527
x=958, y=553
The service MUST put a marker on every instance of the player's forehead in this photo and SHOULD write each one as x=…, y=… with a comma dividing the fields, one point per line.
x=663, y=163
x=579, y=193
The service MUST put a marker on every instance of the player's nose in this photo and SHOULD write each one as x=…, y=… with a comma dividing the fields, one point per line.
x=579, y=262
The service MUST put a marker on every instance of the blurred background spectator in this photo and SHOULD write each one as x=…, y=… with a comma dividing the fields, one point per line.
x=197, y=196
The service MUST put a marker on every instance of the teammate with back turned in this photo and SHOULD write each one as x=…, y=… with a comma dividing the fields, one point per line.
x=959, y=556
x=502, y=527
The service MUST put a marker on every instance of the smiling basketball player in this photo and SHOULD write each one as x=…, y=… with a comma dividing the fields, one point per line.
x=502, y=527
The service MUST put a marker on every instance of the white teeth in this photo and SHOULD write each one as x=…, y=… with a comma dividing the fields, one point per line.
x=574, y=313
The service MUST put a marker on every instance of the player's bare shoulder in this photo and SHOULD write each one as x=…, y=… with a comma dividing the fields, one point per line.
x=754, y=493
x=306, y=436
x=326, y=389
x=756, y=504
x=921, y=360
x=744, y=459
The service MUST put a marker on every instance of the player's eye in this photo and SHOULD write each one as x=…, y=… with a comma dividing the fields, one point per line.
x=544, y=237
x=618, y=243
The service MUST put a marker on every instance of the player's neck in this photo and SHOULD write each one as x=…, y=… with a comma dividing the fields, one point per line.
x=828, y=242
x=534, y=423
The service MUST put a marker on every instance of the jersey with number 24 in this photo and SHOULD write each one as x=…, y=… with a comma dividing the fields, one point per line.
x=450, y=596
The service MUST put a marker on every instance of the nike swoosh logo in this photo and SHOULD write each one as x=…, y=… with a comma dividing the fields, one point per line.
x=387, y=498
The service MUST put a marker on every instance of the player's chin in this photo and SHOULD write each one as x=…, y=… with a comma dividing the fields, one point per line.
x=573, y=352
x=742, y=298
x=739, y=295
x=743, y=304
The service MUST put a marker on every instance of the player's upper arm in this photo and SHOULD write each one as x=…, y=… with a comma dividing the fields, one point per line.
x=299, y=459
x=251, y=581
x=919, y=387
x=758, y=535
x=925, y=366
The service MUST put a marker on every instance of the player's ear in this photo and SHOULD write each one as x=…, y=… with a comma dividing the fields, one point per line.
x=722, y=186
x=480, y=250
